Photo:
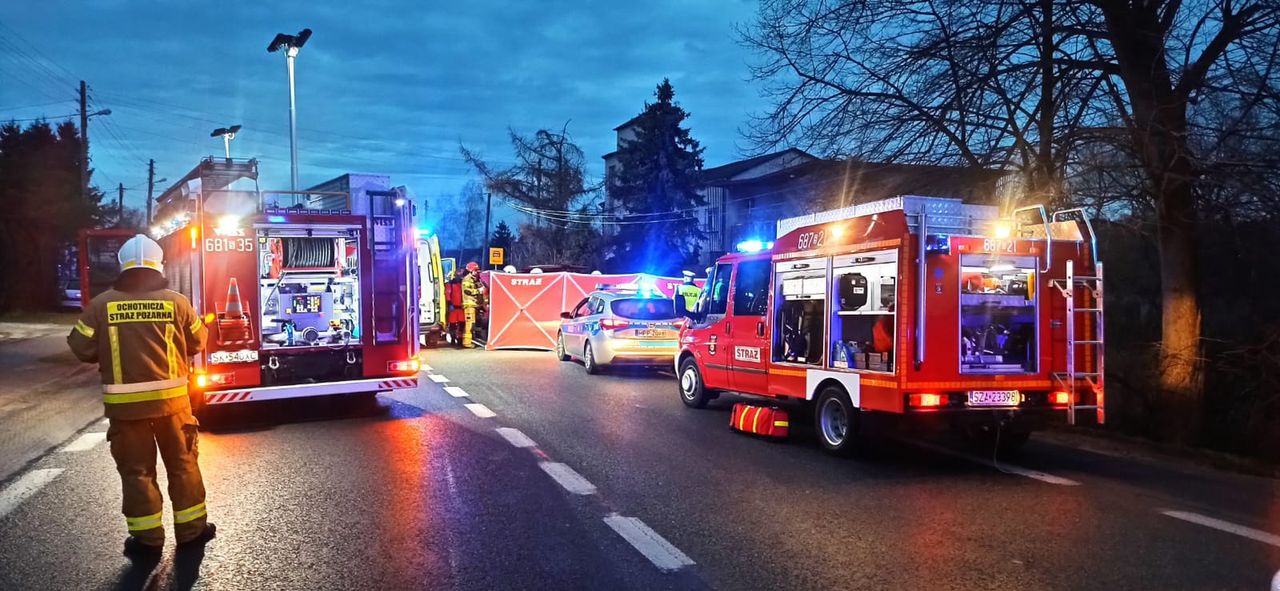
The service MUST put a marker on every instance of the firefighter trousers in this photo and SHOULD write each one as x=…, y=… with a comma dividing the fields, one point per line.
x=134, y=445
x=470, y=311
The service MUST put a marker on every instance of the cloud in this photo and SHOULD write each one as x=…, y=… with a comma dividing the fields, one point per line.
x=391, y=87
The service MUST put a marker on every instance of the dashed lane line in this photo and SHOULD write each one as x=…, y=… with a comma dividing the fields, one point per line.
x=24, y=487
x=439, y=379
x=516, y=437
x=1226, y=526
x=85, y=442
x=568, y=478
x=456, y=392
x=480, y=410
x=657, y=549
x=1008, y=468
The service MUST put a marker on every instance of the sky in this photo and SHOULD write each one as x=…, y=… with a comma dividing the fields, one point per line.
x=384, y=86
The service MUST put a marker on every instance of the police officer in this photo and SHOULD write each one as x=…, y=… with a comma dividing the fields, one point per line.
x=142, y=336
x=472, y=298
x=686, y=295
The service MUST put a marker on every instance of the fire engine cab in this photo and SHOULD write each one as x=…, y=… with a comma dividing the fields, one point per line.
x=304, y=293
x=914, y=307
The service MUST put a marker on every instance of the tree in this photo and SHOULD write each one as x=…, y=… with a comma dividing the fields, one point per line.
x=548, y=184
x=1045, y=88
x=458, y=221
x=502, y=237
x=655, y=191
x=41, y=210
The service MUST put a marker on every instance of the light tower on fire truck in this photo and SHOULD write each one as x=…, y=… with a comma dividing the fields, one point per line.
x=227, y=134
x=291, y=44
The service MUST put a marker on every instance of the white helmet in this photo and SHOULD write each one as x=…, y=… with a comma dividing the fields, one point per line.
x=509, y=269
x=141, y=251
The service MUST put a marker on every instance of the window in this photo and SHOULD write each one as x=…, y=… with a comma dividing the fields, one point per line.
x=863, y=318
x=645, y=309
x=597, y=305
x=751, y=289
x=997, y=314
x=715, y=300
x=581, y=309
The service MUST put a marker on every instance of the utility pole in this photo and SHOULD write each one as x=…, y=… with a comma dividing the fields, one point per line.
x=151, y=187
x=84, y=141
x=488, y=209
x=120, y=206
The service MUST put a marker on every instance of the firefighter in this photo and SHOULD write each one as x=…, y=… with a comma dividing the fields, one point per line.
x=472, y=298
x=686, y=295
x=455, y=317
x=142, y=336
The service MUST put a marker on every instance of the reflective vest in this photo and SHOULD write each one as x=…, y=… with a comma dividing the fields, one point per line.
x=690, y=293
x=142, y=342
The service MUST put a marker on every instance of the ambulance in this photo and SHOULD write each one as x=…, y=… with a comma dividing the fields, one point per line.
x=308, y=293
x=923, y=310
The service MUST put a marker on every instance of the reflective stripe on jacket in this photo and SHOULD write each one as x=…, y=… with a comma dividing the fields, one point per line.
x=143, y=343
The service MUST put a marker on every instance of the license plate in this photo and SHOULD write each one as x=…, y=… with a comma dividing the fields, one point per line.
x=647, y=332
x=994, y=398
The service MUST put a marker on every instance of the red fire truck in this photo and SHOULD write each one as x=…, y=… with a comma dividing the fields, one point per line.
x=922, y=308
x=304, y=293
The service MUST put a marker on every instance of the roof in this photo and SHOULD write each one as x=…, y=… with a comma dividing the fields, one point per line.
x=728, y=171
x=869, y=181
x=628, y=122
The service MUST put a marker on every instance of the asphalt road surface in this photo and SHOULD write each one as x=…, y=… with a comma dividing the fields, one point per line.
x=521, y=472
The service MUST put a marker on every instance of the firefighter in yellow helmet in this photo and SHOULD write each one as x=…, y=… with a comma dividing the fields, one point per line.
x=142, y=337
x=686, y=295
x=472, y=298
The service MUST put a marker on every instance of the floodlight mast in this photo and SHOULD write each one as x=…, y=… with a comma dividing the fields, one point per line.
x=227, y=134
x=291, y=44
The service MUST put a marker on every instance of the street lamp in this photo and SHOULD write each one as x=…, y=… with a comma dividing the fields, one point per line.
x=291, y=44
x=228, y=134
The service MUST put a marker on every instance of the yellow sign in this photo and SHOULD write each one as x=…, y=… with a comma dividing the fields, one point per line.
x=496, y=256
x=140, y=311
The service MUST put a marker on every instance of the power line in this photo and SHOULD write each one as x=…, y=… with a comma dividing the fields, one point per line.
x=19, y=108
x=41, y=118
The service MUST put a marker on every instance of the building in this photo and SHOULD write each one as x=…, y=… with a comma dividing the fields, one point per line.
x=744, y=199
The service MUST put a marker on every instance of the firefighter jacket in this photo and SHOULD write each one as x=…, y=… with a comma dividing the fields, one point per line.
x=472, y=290
x=142, y=342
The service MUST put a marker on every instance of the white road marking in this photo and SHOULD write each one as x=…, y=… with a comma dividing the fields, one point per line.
x=439, y=379
x=480, y=410
x=86, y=441
x=1226, y=526
x=515, y=437
x=568, y=478
x=654, y=547
x=426, y=367
x=1010, y=468
x=32, y=481
x=456, y=392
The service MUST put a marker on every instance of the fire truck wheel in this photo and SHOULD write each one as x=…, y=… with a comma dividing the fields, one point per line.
x=836, y=421
x=560, y=351
x=589, y=360
x=693, y=392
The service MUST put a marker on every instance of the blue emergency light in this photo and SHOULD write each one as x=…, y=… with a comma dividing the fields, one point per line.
x=937, y=244
x=754, y=245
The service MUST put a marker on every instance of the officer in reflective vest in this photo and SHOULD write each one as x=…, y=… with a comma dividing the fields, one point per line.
x=686, y=295
x=142, y=337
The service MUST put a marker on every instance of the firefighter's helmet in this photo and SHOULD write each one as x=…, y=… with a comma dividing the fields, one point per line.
x=141, y=252
x=473, y=266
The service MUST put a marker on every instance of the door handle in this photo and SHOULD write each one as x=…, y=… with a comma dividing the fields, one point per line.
x=760, y=328
x=728, y=328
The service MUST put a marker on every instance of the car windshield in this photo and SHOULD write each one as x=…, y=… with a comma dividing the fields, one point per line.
x=644, y=309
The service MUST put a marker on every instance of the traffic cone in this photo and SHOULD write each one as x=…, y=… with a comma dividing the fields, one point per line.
x=233, y=306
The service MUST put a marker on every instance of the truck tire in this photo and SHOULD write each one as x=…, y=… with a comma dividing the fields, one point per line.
x=836, y=422
x=693, y=391
x=589, y=360
x=561, y=353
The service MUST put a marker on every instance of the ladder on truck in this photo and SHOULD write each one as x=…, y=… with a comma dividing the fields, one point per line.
x=1089, y=289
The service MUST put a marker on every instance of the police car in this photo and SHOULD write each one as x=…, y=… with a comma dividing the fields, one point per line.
x=623, y=325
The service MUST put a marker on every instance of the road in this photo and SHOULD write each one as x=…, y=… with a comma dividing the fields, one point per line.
x=521, y=472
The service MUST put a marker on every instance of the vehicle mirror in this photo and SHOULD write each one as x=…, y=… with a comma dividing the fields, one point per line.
x=566, y=315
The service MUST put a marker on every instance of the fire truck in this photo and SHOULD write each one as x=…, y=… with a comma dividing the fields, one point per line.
x=924, y=310
x=304, y=293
